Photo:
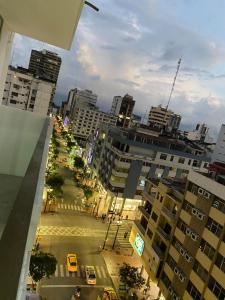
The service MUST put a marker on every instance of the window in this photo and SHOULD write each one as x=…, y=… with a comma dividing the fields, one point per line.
x=216, y=289
x=16, y=86
x=219, y=204
x=163, y=156
x=189, y=162
x=165, y=279
x=214, y=227
x=154, y=217
x=196, y=163
x=14, y=94
x=205, y=165
x=181, y=160
x=220, y=262
x=187, y=206
x=150, y=234
x=202, y=273
x=171, y=158
x=171, y=262
x=12, y=101
x=207, y=249
x=193, y=291
x=182, y=226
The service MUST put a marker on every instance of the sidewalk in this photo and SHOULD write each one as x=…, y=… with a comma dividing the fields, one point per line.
x=114, y=261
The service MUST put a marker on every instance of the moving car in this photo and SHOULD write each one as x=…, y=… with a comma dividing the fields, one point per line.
x=71, y=262
x=90, y=275
x=109, y=294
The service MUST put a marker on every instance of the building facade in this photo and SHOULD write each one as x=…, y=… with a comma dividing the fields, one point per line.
x=122, y=107
x=219, y=151
x=123, y=159
x=183, y=235
x=199, y=134
x=163, y=118
x=24, y=91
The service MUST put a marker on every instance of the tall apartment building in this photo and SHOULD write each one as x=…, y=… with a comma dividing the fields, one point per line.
x=24, y=91
x=199, y=134
x=123, y=107
x=78, y=99
x=219, y=151
x=45, y=65
x=182, y=229
x=123, y=158
x=163, y=118
x=85, y=121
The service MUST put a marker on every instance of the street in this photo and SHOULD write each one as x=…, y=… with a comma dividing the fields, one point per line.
x=72, y=230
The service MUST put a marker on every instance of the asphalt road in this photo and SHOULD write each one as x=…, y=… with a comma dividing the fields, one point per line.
x=72, y=230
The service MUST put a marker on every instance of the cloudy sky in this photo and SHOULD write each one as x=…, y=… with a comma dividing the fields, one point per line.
x=133, y=47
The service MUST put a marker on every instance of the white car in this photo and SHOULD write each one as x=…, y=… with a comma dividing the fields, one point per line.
x=90, y=275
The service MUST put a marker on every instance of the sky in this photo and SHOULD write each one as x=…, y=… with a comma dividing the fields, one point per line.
x=133, y=47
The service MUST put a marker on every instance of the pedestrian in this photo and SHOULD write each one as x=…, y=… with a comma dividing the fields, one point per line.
x=125, y=234
x=126, y=217
x=113, y=218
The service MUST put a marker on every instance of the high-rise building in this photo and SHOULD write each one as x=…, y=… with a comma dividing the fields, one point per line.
x=163, y=118
x=199, y=134
x=181, y=235
x=78, y=99
x=123, y=158
x=122, y=107
x=219, y=151
x=45, y=65
x=24, y=91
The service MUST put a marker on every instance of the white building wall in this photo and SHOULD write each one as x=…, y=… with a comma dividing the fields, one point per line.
x=43, y=97
x=219, y=152
x=116, y=104
x=6, y=37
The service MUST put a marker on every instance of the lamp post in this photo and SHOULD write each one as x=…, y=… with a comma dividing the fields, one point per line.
x=106, y=236
x=119, y=223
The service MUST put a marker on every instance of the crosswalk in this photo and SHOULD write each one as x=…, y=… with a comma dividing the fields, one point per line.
x=72, y=207
x=121, y=241
x=62, y=272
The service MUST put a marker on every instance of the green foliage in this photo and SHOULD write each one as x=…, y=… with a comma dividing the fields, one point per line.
x=131, y=277
x=88, y=192
x=55, y=181
x=42, y=265
x=78, y=162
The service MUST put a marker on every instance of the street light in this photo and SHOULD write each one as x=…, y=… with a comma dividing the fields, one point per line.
x=107, y=232
x=119, y=223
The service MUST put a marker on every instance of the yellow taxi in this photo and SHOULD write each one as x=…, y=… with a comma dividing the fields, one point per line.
x=90, y=275
x=71, y=262
x=109, y=294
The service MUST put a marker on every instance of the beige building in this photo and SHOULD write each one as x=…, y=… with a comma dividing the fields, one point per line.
x=163, y=118
x=182, y=229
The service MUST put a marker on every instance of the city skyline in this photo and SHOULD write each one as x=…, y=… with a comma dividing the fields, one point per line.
x=140, y=56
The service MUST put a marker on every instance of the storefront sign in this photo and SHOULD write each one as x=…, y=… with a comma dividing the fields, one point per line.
x=139, y=244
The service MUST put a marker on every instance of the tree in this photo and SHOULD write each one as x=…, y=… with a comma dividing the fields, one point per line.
x=88, y=192
x=42, y=265
x=130, y=277
x=55, y=181
x=78, y=162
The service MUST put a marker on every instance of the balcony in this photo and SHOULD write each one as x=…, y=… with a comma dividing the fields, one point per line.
x=158, y=251
x=149, y=197
x=144, y=211
x=169, y=213
x=139, y=226
x=24, y=139
x=163, y=233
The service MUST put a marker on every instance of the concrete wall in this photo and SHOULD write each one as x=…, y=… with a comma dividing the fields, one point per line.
x=219, y=152
x=19, y=133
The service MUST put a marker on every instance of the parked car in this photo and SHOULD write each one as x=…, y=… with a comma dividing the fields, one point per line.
x=109, y=294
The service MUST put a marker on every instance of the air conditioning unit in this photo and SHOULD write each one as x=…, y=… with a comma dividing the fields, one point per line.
x=194, y=236
x=182, y=277
x=207, y=195
x=175, y=297
x=194, y=211
x=170, y=290
x=188, y=257
x=182, y=251
x=201, y=216
x=176, y=271
x=188, y=231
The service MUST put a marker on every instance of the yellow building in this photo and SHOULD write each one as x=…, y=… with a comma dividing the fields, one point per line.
x=184, y=236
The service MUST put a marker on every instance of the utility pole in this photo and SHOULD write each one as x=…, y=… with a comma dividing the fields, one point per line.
x=107, y=233
x=114, y=242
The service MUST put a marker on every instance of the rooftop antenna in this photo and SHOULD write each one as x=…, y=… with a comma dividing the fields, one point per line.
x=173, y=85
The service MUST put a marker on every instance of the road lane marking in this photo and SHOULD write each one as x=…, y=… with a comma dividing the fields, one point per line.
x=69, y=206
x=75, y=207
x=78, y=208
x=98, y=271
x=103, y=272
x=61, y=269
x=72, y=207
x=65, y=205
x=67, y=273
x=72, y=285
x=56, y=271
x=78, y=271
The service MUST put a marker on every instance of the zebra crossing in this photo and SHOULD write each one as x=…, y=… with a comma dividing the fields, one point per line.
x=70, y=207
x=62, y=272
